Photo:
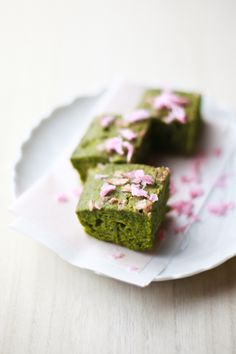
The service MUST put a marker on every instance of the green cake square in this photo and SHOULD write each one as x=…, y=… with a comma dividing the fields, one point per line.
x=115, y=139
x=124, y=204
x=176, y=119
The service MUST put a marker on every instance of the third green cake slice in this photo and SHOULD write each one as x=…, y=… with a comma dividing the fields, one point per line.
x=115, y=139
x=176, y=119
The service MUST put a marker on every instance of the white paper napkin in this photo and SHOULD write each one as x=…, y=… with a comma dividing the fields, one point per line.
x=41, y=216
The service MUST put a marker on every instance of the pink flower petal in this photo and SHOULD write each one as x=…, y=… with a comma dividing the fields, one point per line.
x=183, y=207
x=62, y=198
x=138, y=192
x=221, y=181
x=106, y=189
x=196, y=192
x=153, y=197
x=130, y=150
x=178, y=100
x=114, y=145
x=133, y=269
x=128, y=134
x=136, y=116
x=106, y=121
x=147, y=180
x=135, y=175
x=220, y=209
x=118, y=255
x=187, y=179
x=138, y=176
x=162, y=101
x=168, y=99
x=176, y=114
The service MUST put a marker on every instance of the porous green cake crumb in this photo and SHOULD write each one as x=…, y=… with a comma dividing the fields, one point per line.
x=124, y=204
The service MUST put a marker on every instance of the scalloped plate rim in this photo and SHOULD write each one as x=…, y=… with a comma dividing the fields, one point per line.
x=29, y=135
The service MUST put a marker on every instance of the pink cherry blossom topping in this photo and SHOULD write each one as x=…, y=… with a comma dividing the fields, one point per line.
x=136, y=116
x=62, y=198
x=128, y=134
x=220, y=209
x=130, y=150
x=174, y=103
x=177, y=113
x=147, y=179
x=135, y=175
x=196, y=192
x=119, y=146
x=106, y=121
x=183, y=207
x=153, y=197
x=162, y=101
x=118, y=255
x=138, y=192
x=168, y=99
x=114, y=145
x=138, y=176
x=106, y=189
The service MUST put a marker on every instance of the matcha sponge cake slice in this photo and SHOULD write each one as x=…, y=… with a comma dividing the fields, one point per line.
x=124, y=204
x=113, y=138
x=176, y=119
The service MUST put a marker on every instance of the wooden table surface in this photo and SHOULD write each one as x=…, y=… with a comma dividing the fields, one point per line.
x=56, y=49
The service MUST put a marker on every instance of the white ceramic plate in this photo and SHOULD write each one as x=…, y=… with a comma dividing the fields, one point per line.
x=46, y=141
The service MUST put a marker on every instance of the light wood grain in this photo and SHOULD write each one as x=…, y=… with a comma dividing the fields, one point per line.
x=47, y=306
x=52, y=49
